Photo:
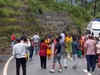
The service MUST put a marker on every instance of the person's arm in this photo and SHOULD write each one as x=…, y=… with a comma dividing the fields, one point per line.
x=55, y=49
x=95, y=47
x=28, y=44
x=32, y=38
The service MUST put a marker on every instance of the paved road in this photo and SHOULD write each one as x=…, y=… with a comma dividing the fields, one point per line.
x=33, y=68
x=1, y=68
x=3, y=59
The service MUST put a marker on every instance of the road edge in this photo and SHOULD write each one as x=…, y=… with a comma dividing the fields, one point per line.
x=6, y=66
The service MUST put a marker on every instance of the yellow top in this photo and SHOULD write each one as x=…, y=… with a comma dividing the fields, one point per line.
x=68, y=39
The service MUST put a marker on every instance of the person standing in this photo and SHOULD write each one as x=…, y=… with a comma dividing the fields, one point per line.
x=42, y=54
x=90, y=46
x=63, y=49
x=82, y=41
x=68, y=41
x=75, y=48
x=20, y=54
x=31, y=50
x=13, y=39
x=36, y=41
x=57, y=56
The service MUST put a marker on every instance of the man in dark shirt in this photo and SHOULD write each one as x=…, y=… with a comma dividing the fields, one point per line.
x=57, y=56
x=75, y=48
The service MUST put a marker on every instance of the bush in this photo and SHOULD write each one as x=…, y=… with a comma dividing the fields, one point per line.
x=7, y=12
x=3, y=2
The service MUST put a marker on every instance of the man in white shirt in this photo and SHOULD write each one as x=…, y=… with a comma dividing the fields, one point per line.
x=36, y=41
x=62, y=37
x=63, y=45
x=20, y=52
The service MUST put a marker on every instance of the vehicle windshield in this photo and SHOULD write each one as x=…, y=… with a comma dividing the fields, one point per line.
x=96, y=29
x=97, y=19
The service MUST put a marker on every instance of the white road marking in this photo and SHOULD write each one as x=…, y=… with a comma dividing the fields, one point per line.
x=6, y=66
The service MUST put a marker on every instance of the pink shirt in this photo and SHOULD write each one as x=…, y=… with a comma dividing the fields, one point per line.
x=90, y=45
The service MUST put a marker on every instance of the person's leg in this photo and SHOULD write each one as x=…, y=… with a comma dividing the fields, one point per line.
x=65, y=59
x=54, y=62
x=60, y=65
x=59, y=61
x=74, y=60
x=88, y=58
x=41, y=61
x=23, y=62
x=17, y=66
x=31, y=53
x=44, y=62
x=35, y=49
x=93, y=63
x=65, y=62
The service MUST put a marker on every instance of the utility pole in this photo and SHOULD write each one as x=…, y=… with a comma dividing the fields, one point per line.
x=71, y=2
x=94, y=12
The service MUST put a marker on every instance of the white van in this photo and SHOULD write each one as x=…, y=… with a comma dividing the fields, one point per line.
x=94, y=27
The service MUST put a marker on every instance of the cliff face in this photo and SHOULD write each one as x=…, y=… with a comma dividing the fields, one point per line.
x=55, y=21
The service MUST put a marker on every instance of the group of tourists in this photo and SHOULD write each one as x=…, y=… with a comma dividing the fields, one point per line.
x=62, y=47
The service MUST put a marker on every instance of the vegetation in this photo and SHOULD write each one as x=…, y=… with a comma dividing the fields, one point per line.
x=14, y=12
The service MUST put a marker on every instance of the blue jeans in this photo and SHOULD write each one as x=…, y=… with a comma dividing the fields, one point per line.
x=91, y=62
x=31, y=49
x=36, y=48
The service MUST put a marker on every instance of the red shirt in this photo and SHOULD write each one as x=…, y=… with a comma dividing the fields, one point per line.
x=13, y=37
x=43, y=49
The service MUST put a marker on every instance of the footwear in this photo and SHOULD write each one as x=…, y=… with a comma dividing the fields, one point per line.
x=85, y=70
x=60, y=70
x=52, y=70
x=89, y=73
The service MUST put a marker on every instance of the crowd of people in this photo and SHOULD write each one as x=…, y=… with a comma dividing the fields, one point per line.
x=61, y=47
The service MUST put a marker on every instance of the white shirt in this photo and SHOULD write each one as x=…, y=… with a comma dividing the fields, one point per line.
x=36, y=38
x=20, y=49
x=62, y=37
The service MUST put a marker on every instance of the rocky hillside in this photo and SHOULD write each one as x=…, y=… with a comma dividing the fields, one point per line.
x=17, y=17
x=55, y=22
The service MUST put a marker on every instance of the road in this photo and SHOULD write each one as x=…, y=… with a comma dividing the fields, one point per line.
x=3, y=59
x=33, y=68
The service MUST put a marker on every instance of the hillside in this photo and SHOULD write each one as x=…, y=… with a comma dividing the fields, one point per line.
x=43, y=16
x=18, y=16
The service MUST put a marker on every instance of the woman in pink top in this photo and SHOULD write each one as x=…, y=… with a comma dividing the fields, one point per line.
x=90, y=46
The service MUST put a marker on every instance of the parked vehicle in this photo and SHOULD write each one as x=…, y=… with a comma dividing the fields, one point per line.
x=94, y=27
